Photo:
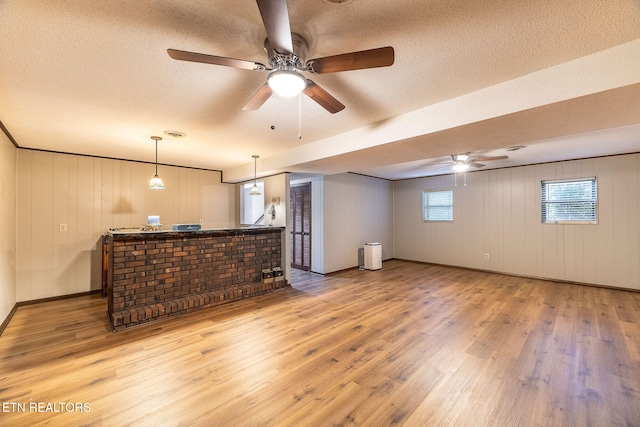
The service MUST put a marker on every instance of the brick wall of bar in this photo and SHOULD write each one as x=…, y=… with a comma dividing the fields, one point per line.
x=156, y=275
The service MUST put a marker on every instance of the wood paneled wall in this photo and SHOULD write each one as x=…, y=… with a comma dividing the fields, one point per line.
x=357, y=210
x=91, y=195
x=8, y=164
x=278, y=186
x=498, y=212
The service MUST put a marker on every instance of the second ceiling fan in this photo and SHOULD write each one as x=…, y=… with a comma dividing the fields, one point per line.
x=287, y=56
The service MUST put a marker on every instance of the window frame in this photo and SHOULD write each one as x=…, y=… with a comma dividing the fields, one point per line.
x=424, y=204
x=544, y=204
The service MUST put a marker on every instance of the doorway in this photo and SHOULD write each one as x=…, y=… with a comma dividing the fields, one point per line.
x=300, y=226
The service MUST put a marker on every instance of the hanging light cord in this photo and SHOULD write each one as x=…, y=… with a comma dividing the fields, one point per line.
x=299, y=116
x=156, y=157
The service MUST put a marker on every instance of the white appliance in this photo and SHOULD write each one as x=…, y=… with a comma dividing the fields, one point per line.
x=372, y=256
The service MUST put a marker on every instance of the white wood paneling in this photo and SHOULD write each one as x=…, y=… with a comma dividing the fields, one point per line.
x=357, y=210
x=42, y=226
x=277, y=186
x=498, y=212
x=91, y=195
x=8, y=214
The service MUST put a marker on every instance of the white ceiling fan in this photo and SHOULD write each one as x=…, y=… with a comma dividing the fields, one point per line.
x=462, y=162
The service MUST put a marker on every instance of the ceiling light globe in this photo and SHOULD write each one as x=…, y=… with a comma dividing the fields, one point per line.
x=460, y=167
x=286, y=83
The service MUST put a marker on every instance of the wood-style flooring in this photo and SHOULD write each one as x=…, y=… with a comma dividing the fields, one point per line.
x=411, y=344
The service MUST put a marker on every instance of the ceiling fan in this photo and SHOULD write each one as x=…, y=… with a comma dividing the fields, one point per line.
x=462, y=162
x=287, y=56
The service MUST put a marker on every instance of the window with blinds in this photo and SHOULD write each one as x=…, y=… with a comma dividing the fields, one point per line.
x=437, y=205
x=570, y=201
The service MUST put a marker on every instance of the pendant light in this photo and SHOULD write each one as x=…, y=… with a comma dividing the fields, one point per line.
x=156, y=182
x=255, y=191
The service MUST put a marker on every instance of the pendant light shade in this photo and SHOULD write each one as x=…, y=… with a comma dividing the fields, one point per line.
x=255, y=191
x=156, y=183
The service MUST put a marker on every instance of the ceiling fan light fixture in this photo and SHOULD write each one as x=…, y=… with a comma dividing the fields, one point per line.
x=462, y=157
x=286, y=83
x=460, y=167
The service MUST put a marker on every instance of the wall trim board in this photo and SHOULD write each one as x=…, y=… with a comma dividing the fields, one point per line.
x=42, y=300
x=375, y=177
x=546, y=279
x=517, y=166
x=122, y=160
x=6, y=321
x=252, y=180
x=6, y=132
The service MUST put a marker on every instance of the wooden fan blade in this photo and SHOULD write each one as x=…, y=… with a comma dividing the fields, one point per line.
x=485, y=158
x=259, y=98
x=373, y=58
x=182, y=55
x=323, y=97
x=275, y=18
x=476, y=165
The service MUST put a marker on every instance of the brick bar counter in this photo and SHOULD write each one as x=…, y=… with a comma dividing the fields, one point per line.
x=154, y=275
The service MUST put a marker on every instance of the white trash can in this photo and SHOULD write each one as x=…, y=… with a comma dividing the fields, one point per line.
x=372, y=256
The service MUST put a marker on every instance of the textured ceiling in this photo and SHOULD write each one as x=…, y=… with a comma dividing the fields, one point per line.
x=93, y=77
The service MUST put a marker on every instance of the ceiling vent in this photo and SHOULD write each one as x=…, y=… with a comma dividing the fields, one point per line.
x=175, y=133
x=337, y=2
x=515, y=148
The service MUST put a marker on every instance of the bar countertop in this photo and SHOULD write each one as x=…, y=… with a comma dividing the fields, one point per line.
x=133, y=234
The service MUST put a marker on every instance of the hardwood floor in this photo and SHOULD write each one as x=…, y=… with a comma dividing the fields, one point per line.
x=411, y=344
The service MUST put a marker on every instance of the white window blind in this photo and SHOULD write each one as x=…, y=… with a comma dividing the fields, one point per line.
x=437, y=205
x=570, y=201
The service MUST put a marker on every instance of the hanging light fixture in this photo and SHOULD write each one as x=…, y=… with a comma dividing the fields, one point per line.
x=286, y=83
x=156, y=183
x=255, y=191
x=460, y=166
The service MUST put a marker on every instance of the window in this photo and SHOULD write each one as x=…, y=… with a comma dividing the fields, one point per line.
x=437, y=205
x=251, y=207
x=570, y=201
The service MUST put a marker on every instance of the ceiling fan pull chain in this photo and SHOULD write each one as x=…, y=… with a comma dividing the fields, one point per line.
x=300, y=116
x=455, y=179
x=273, y=117
x=465, y=179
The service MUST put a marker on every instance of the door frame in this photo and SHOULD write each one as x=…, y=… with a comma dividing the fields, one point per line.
x=306, y=215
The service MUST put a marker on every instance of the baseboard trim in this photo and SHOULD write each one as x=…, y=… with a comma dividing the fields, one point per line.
x=8, y=319
x=568, y=282
x=41, y=300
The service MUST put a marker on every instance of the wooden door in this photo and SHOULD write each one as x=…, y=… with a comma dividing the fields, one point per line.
x=300, y=225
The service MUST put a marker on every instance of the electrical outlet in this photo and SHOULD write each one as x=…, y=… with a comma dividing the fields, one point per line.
x=63, y=227
x=201, y=221
x=486, y=256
